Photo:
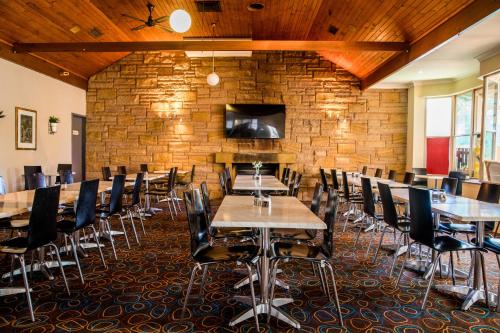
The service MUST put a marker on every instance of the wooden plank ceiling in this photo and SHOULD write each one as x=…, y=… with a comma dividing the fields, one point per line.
x=44, y=21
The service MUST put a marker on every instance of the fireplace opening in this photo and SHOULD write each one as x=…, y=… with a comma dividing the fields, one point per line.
x=266, y=169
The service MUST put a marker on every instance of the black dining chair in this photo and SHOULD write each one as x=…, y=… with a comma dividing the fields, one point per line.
x=461, y=176
x=167, y=194
x=292, y=177
x=422, y=232
x=186, y=182
x=222, y=184
x=301, y=234
x=106, y=211
x=318, y=255
x=66, y=177
x=243, y=234
x=61, y=168
x=372, y=219
x=393, y=221
x=392, y=175
x=408, y=178
x=144, y=168
x=41, y=233
x=335, y=181
x=121, y=170
x=85, y=217
x=285, y=175
x=378, y=173
x=449, y=185
x=29, y=171
x=352, y=201
x=492, y=244
x=39, y=180
x=294, y=187
x=324, y=180
x=204, y=254
x=419, y=181
x=134, y=207
x=364, y=170
x=106, y=173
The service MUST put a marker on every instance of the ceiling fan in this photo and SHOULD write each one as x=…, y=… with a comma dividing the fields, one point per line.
x=150, y=22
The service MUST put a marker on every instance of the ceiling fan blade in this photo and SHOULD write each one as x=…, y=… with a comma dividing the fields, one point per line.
x=161, y=19
x=133, y=17
x=139, y=27
x=167, y=29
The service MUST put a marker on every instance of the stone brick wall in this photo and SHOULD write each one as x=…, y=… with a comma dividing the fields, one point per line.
x=156, y=108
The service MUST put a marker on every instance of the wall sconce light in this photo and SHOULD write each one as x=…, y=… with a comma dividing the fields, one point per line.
x=53, y=121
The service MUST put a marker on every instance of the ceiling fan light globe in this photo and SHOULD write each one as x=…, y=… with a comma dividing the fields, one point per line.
x=180, y=20
x=213, y=79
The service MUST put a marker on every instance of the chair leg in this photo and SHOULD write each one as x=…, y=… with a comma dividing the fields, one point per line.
x=485, y=281
x=372, y=236
x=431, y=279
x=108, y=227
x=138, y=212
x=170, y=197
x=321, y=278
x=124, y=231
x=407, y=255
x=452, y=269
x=131, y=217
x=58, y=256
x=402, y=235
x=190, y=286
x=349, y=206
x=170, y=210
x=252, y=292
x=75, y=254
x=26, y=286
x=203, y=279
x=96, y=239
x=359, y=233
x=498, y=293
x=379, y=244
x=337, y=302
x=274, y=269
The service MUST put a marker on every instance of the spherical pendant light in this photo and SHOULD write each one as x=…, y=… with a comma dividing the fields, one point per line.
x=213, y=79
x=180, y=20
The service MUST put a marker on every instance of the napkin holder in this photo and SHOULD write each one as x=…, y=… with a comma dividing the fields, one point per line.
x=262, y=201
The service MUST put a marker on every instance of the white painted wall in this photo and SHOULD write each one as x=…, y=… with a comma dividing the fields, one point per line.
x=23, y=87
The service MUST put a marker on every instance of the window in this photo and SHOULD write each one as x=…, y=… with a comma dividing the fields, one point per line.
x=491, y=141
x=438, y=112
x=463, y=130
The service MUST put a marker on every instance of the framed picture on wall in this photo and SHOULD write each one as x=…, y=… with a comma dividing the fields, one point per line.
x=26, y=132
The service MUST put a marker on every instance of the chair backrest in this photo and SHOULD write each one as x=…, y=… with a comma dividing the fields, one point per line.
x=43, y=218
x=206, y=199
x=228, y=185
x=136, y=193
x=172, y=175
x=449, y=185
x=285, y=175
x=368, y=201
x=121, y=169
x=332, y=203
x=29, y=171
x=378, y=173
x=115, y=201
x=390, y=213
x=364, y=170
x=461, y=176
x=324, y=181
x=409, y=177
x=392, y=175
x=335, y=179
x=316, y=198
x=227, y=173
x=197, y=221
x=291, y=180
x=222, y=184
x=144, y=168
x=66, y=177
x=296, y=186
x=61, y=167
x=193, y=169
x=106, y=173
x=489, y=192
x=39, y=180
x=85, y=206
x=345, y=185
x=420, y=171
x=421, y=222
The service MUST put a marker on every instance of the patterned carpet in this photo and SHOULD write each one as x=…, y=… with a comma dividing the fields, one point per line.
x=143, y=289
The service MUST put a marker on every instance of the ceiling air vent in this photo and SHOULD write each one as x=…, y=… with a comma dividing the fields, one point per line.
x=208, y=5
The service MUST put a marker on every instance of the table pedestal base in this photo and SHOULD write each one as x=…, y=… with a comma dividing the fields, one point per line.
x=41, y=267
x=470, y=295
x=263, y=308
x=255, y=277
x=422, y=266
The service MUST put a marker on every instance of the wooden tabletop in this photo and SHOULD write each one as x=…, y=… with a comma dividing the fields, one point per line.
x=434, y=177
x=147, y=177
x=266, y=183
x=16, y=203
x=459, y=208
x=284, y=212
x=373, y=180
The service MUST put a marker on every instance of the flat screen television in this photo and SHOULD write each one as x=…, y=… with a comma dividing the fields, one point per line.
x=255, y=121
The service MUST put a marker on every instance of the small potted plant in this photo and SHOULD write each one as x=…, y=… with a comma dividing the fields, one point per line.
x=53, y=121
x=257, y=165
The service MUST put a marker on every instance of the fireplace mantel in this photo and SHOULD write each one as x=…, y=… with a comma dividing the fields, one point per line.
x=234, y=158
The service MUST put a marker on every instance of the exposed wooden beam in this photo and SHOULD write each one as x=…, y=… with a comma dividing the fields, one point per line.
x=213, y=45
x=40, y=65
x=462, y=20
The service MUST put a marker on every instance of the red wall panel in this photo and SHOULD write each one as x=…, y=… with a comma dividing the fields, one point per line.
x=438, y=155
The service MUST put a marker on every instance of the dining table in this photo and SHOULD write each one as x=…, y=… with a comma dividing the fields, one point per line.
x=261, y=183
x=462, y=210
x=282, y=212
x=433, y=177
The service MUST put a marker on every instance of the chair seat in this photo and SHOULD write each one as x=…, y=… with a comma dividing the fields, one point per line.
x=457, y=227
x=232, y=232
x=298, y=251
x=447, y=243
x=295, y=234
x=491, y=244
x=16, y=245
x=5, y=223
x=19, y=223
x=66, y=226
x=211, y=254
